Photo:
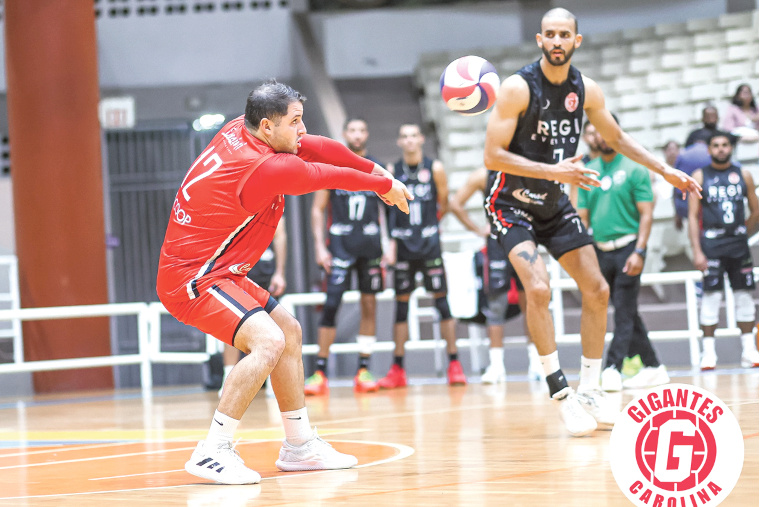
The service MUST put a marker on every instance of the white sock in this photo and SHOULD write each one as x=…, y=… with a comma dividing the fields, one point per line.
x=222, y=430
x=591, y=370
x=532, y=352
x=748, y=341
x=708, y=345
x=496, y=354
x=297, y=427
x=550, y=363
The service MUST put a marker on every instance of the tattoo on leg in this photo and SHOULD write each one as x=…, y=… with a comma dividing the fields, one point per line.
x=525, y=254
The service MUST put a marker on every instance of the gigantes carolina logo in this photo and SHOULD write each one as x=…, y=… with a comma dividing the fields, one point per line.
x=676, y=446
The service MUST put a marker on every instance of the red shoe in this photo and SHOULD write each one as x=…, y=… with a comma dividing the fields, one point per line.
x=316, y=385
x=396, y=378
x=364, y=382
x=456, y=374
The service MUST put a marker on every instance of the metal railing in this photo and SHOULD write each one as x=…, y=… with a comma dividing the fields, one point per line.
x=149, y=327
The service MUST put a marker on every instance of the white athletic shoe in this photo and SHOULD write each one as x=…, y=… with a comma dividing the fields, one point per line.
x=599, y=406
x=222, y=464
x=750, y=356
x=709, y=360
x=577, y=421
x=612, y=381
x=648, y=376
x=316, y=454
x=494, y=375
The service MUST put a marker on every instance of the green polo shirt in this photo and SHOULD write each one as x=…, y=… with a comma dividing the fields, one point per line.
x=612, y=207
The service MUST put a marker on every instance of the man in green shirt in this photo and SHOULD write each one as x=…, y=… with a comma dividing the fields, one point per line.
x=619, y=215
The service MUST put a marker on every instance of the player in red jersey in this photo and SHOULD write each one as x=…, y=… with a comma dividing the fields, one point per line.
x=224, y=216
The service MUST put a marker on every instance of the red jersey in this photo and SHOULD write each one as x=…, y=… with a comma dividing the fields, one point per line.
x=228, y=206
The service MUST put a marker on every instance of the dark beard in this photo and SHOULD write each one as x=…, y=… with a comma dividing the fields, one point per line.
x=606, y=150
x=720, y=161
x=548, y=55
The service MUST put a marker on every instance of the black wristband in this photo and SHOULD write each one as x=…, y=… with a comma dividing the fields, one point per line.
x=642, y=252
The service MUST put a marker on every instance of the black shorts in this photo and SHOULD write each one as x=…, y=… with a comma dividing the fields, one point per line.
x=560, y=234
x=498, y=271
x=370, y=274
x=739, y=271
x=432, y=271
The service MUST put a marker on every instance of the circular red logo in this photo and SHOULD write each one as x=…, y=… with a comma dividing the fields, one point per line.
x=571, y=101
x=676, y=445
x=734, y=178
x=423, y=175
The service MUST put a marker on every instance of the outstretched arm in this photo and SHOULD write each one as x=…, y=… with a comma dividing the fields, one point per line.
x=623, y=143
x=328, y=151
x=318, y=208
x=695, y=205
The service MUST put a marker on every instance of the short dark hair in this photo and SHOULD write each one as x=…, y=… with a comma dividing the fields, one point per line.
x=270, y=100
x=585, y=125
x=722, y=133
x=353, y=119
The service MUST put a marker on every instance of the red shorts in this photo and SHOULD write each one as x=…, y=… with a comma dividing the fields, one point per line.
x=222, y=307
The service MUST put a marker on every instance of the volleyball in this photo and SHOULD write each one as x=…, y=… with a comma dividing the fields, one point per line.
x=469, y=85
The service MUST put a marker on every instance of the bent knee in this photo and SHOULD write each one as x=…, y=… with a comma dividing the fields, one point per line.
x=538, y=293
x=597, y=291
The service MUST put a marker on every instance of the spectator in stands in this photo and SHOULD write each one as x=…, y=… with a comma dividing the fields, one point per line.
x=689, y=160
x=741, y=116
x=619, y=215
x=718, y=231
x=671, y=150
x=709, y=126
x=589, y=137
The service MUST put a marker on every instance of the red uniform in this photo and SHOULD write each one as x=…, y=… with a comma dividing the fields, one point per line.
x=225, y=214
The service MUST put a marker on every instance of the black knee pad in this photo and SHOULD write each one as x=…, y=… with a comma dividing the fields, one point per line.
x=402, y=311
x=442, y=304
x=330, y=310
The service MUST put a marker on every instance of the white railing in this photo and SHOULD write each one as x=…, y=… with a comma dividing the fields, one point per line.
x=149, y=327
x=12, y=300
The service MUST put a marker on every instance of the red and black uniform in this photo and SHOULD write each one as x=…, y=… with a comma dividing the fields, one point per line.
x=225, y=215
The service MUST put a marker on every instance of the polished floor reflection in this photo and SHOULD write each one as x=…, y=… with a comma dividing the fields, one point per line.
x=423, y=445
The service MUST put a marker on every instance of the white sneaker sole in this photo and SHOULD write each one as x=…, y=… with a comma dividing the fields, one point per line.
x=211, y=475
x=300, y=466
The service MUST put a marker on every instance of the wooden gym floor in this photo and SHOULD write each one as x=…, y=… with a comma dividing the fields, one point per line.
x=428, y=444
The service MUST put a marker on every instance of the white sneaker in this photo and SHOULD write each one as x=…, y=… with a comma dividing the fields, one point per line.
x=596, y=403
x=577, y=421
x=612, y=381
x=709, y=359
x=649, y=376
x=494, y=375
x=750, y=356
x=316, y=454
x=222, y=464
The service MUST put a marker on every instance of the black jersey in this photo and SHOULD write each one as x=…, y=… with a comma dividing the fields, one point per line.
x=416, y=234
x=724, y=231
x=264, y=269
x=548, y=132
x=354, y=223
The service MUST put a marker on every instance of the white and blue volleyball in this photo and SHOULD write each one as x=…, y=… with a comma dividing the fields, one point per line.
x=469, y=85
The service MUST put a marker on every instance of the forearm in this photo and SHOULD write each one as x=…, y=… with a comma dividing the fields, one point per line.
x=463, y=217
x=752, y=223
x=280, y=245
x=328, y=151
x=499, y=159
x=629, y=147
x=645, y=229
x=696, y=246
x=318, y=228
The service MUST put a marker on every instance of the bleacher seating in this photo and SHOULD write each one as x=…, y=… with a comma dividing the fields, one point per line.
x=657, y=79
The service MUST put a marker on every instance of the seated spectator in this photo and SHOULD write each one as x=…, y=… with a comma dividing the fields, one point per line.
x=741, y=115
x=671, y=150
x=694, y=157
x=709, y=127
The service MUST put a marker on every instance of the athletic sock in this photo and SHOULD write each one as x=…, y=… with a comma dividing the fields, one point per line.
x=550, y=363
x=748, y=341
x=222, y=430
x=297, y=427
x=708, y=344
x=454, y=357
x=591, y=370
x=322, y=365
x=398, y=361
x=496, y=354
x=364, y=362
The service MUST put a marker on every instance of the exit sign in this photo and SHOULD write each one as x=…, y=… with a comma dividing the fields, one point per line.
x=117, y=112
